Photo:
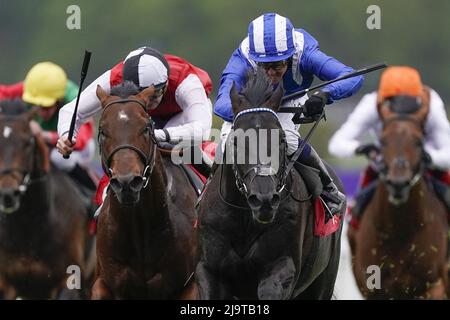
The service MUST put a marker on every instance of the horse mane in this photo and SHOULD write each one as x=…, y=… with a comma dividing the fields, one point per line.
x=13, y=107
x=125, y=89
x=258, y=88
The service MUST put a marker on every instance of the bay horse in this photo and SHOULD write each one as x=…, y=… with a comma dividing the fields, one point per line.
x=43, y=224
x=256, y=221
x=146, y=240
x=403, y=230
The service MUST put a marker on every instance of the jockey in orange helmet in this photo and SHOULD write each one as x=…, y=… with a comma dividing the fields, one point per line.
x=395, y=81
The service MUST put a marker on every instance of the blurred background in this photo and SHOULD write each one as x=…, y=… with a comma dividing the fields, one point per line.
x=206, y=32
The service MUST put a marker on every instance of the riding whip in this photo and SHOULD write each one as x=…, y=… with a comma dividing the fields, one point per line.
x=299, y=110
x=87, y=58
x=323, y=84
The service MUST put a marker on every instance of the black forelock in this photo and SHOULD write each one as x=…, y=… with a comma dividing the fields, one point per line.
x=258, y=88
x=124, y=89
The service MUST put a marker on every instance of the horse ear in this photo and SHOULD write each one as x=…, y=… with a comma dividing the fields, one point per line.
x=146, y=94
x=384, y=109
x=29, y=115
x=423, y=111
x=235, y=100
x=43, y=153
x=101, y=94
x=275, y=100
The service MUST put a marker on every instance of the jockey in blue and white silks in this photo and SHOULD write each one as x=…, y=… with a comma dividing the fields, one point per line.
x=291, y=56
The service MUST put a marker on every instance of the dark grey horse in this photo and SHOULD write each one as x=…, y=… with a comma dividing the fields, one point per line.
x=256, y=222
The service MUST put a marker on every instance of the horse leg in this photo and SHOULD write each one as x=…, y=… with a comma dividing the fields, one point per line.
x=190, y=292
x=209, y=286
x=100, y=291
x=322, y=287
x=7, y=292
x=437, y=291
x=279, y=280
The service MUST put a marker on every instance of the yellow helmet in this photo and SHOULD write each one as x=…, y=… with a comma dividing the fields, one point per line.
x=44, y=84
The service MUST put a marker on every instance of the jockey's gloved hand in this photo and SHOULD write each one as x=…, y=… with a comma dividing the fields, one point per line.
x=315, y=104
x=370, y=150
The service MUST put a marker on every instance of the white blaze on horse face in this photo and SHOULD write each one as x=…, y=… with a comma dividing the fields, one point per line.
x=6, y=132
x=123, y=116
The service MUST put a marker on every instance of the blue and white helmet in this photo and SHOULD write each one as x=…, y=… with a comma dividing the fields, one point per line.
x=271, y=38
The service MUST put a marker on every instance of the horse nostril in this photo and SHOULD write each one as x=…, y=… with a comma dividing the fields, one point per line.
x=276, y=199
x=398, y=183
x=136, y=183
x=115, y=184
x=254, y=202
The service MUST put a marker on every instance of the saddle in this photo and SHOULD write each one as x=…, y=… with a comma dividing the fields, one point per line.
x=196, y=173
x=324, y=225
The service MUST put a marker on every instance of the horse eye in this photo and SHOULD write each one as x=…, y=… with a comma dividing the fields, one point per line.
x=102, y=133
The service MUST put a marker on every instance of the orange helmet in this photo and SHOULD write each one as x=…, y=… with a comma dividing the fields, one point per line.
x=400, y=81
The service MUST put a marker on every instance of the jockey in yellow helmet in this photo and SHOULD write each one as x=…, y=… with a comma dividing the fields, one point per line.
x=47, y=88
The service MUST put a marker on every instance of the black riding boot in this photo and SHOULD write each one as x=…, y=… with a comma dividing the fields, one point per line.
x=86, y=187
x=82, y=178
x=333, y=198
x=443, y=192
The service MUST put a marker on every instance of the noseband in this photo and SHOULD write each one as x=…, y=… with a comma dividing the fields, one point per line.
x=148, y=159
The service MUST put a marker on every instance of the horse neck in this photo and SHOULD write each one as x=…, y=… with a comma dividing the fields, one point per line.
x=406, y=217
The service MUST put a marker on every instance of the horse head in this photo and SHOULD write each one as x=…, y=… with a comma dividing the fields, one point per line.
x=22, y=154
x=126, y=140
x=258, y=145
x=402, y=149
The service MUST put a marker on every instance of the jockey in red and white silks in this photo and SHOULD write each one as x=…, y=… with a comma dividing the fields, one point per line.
x=182, y=112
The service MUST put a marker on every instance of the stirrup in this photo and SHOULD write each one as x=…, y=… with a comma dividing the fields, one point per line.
x=334, y=203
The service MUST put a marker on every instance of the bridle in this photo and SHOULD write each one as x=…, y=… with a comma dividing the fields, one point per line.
x=25, y=172
x=259, y=169
x=148, y=159
x=422, y=167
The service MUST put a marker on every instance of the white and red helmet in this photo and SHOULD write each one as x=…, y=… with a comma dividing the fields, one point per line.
x=146, y=67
